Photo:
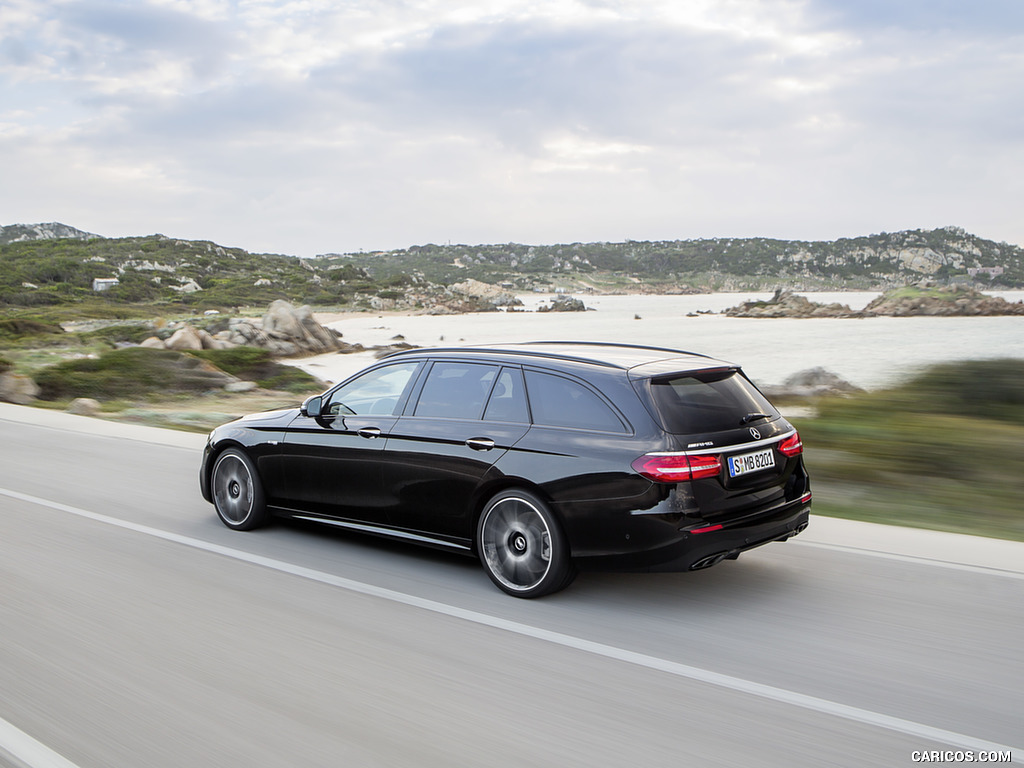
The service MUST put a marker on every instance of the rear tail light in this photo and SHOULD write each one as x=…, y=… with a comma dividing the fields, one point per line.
x=706, y=529
x=791, y=446
x=677, y=467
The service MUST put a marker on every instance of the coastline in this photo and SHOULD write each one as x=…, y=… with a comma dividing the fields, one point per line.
x=869, y=353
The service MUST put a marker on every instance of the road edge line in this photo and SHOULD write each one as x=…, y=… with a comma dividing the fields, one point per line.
x=25, y=752
x=772, y=693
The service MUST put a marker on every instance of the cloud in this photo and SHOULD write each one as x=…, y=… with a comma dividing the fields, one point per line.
x=979, y=17
x=326, y=126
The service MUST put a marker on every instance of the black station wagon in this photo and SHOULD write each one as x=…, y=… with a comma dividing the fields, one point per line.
x=539, y=458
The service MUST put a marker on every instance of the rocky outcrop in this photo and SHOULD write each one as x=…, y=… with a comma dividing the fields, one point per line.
x=465, y=297
x=287, y=327
x=284, y=330
x=952, y=301
x=459, y=305
x=492, y=294
x=923, y=299
x=16, y=233
x=187, y=339
x=187, y=286
x=788, y=304
x=563, y=304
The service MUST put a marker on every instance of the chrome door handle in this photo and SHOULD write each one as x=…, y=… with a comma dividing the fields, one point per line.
x=368, y=432
x=480, y=443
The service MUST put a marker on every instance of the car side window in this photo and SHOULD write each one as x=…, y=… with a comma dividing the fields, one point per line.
x=377, y=392
x=508, y=399
x=556, y=401
x=456, y=390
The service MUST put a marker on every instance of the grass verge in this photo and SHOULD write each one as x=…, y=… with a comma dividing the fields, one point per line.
x=943, y=451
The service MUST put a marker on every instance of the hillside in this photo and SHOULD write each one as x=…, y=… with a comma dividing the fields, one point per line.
x=53, y=265
x=871, y=262
x=159, y=270
x=16, y=233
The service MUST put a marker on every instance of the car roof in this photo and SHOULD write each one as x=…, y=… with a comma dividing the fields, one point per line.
x=639, y=359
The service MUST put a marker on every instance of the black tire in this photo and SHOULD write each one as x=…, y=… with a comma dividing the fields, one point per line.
x=522, y=546
x=237, y=491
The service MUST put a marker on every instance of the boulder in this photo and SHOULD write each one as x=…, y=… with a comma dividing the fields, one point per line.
x=212, y=342
x=185, y=339
x=153, y=343
x=244, y=332
x=84, y=406
x=281, y=319
x=187, y=286
x=17, y=388
x=240, y=386
x=297, y=329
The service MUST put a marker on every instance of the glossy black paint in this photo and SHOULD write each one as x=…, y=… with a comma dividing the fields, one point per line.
x=427, y=478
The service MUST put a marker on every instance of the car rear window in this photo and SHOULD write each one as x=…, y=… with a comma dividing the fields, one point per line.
x=707, y=401
x=560, y=402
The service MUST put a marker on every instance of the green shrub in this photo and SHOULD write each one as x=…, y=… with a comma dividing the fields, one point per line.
x=113, y=334
x=15, y=327
x=30, y=332
x=990, y=389
x=127, y=373
x=255, y=364
x=940, y=451
x=238, y=361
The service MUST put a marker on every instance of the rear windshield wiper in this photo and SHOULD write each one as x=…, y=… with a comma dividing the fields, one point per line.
x=754, y=417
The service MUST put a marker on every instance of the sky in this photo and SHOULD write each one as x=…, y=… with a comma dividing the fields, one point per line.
x=320, y=126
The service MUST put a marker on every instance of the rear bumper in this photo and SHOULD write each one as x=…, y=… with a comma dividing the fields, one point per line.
x=710, y=544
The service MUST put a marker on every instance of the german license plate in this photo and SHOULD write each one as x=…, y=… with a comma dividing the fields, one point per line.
x=751, y=462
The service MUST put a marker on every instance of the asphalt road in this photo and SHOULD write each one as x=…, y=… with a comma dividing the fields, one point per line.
x=135, y=630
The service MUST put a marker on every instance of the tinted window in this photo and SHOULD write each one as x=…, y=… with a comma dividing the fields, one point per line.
x=556, y=401
x=707, y=402
x=456, y=390
x=508, y=399
x=376, y=392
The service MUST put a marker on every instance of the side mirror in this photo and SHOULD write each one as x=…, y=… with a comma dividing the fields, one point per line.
x=312, y=407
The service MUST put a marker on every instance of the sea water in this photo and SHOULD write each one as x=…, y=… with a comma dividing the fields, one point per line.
x=869, y=353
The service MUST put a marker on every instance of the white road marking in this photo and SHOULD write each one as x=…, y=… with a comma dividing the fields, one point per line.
x=27, y=751
x=772, y=693
x=916, y=559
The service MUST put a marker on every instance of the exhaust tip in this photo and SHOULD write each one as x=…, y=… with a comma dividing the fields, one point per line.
x=707, y=562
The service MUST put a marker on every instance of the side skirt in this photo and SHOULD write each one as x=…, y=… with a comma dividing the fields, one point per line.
x=376, y=530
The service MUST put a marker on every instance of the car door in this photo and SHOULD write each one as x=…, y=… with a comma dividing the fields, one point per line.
x=465, y=416
x=331, y=462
